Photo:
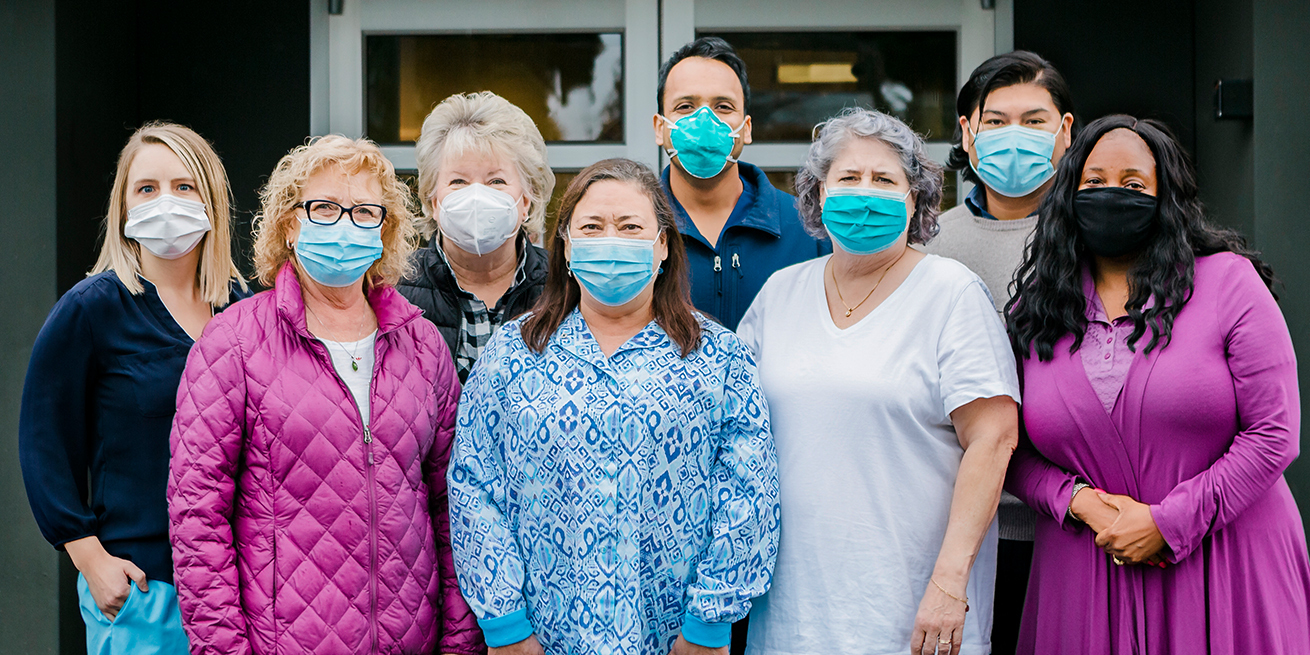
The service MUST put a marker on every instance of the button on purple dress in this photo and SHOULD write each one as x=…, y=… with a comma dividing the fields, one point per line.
x=1202, y=432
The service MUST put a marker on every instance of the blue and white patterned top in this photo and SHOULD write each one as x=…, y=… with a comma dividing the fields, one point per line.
x=606, y=504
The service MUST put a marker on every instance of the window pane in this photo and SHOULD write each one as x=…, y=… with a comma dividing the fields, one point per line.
x=570, y=84
x=799, y=79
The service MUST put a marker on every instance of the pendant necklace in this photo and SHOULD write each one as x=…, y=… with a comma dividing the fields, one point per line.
x=354, y=361
x=850, y=310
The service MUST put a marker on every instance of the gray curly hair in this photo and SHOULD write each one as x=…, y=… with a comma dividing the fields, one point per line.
x=831, y=138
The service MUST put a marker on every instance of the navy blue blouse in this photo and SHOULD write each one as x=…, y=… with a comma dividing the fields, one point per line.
x=99, y=397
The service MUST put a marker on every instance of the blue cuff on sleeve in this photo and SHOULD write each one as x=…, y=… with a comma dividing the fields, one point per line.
x=708, y=635
x=505, y=630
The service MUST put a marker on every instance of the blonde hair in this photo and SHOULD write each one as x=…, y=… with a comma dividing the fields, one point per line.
x=122, y=255
x=489, y=124
x=280, y=198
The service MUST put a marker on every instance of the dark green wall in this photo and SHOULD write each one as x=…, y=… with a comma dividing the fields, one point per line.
x=1281, y=141
x=29, y=605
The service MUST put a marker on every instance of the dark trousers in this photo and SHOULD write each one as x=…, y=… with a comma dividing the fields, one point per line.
x=1013, y=559
x=738, y=646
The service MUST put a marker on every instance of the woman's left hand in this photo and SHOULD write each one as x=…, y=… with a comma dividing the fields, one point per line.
x=939, y=625
x=1133, y=537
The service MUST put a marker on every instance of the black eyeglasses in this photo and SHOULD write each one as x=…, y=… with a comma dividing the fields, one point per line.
x=326, y=212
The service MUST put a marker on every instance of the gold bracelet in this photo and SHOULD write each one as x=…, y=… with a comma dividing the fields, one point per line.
x=964, y=600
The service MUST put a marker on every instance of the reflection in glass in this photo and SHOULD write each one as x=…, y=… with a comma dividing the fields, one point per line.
x=799, y=79
x=570, y=84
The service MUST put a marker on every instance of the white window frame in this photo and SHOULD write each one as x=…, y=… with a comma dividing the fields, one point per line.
x=337, y=84
x=652, y=31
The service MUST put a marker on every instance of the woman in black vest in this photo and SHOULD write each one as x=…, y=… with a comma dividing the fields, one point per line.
x=484, y=184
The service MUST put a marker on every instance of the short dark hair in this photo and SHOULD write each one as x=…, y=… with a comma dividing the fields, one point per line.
x=1009, y=69
x=709, y=47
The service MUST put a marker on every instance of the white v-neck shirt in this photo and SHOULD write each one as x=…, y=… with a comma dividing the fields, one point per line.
x=867, y=454
x=357, y=381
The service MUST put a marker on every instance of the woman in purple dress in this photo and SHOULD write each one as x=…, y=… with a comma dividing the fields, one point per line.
x=1161, y=408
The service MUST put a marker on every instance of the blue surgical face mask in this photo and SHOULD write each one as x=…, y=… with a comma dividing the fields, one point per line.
x=337, y=255
x=1013, y=161
x=702, y=142
x=614, y=270
x=865, y=221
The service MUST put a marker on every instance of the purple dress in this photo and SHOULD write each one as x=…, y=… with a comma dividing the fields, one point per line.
x=1202, y=432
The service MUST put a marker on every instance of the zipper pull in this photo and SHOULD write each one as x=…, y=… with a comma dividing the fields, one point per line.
x=718, y=264
x=736, y=263
x=368, y=436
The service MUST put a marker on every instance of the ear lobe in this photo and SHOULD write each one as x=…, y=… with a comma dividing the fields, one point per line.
x=965, y=136
x=659, y=130
x=746, y=132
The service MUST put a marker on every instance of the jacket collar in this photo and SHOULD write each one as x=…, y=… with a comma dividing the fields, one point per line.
x=392, y=310
x=764, y=213
x=532, y=265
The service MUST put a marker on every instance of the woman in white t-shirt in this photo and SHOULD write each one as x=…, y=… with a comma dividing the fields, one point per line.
x=893, y=397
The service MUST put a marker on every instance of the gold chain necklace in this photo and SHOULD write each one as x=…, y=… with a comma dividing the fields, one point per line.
x=354, y=361
x=850, y=310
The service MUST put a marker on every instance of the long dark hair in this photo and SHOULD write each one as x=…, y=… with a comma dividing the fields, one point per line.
x=1047, y=295
x=671, y=303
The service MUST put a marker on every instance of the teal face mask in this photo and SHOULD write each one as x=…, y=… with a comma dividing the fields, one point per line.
x=614, y=270
x=702, y=142
x=337, y=255
x=1013, y=161
x=865, y=221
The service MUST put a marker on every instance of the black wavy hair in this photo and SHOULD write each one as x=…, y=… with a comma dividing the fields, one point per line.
x=1009, y=69
x=1047, y=296
x=709, y=47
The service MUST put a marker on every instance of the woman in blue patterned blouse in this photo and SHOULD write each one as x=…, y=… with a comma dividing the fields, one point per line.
x=613, y=483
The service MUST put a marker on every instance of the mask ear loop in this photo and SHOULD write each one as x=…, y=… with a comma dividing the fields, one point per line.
x=736, y=135
x=669, y=150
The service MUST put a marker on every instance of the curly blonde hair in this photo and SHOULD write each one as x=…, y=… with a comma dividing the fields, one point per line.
x=489, y=124
x=280, y=198
x=122, y=255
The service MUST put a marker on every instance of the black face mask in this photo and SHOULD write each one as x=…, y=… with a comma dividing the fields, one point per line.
x=1114, y=221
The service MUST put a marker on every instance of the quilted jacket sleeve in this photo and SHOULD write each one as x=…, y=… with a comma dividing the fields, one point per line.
x=487, y=555
x=738, y=563
x=459, y=627
x=208, y=436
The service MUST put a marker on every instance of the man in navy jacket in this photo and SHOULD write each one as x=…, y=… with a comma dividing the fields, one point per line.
x=738, y=229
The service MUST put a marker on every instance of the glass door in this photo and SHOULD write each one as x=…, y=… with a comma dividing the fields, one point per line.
x=807, y=61
x=585, y=70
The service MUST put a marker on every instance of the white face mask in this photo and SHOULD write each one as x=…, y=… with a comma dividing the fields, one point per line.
x=167, y=226
x=479, y=219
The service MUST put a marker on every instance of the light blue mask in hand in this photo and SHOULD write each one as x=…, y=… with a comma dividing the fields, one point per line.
x=337, y=255
x=614, y=270
x=702, y=142
x=865, y=221
x=1013, y=161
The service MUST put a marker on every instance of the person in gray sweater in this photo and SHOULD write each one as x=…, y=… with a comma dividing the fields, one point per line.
x=1016, y=118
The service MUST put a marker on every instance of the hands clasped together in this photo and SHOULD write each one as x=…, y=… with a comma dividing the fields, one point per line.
x=1124, y=528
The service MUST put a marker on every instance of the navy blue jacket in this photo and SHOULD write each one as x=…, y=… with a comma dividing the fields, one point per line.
x=99, y=397
x=762, y=235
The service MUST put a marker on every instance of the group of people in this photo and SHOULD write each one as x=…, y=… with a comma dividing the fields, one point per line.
x=702, y=399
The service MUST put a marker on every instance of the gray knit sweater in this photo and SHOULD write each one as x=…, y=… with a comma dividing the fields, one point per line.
x=993, y=249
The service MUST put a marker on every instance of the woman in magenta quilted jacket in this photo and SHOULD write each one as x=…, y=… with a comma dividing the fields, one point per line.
x=307, y=490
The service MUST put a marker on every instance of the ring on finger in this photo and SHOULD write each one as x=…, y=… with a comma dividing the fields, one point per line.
x=1117, y=561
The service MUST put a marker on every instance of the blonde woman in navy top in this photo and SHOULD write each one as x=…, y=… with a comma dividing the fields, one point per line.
x=99, y=397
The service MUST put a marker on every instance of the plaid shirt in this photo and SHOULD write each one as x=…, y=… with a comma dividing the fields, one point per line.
x=477, y=323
